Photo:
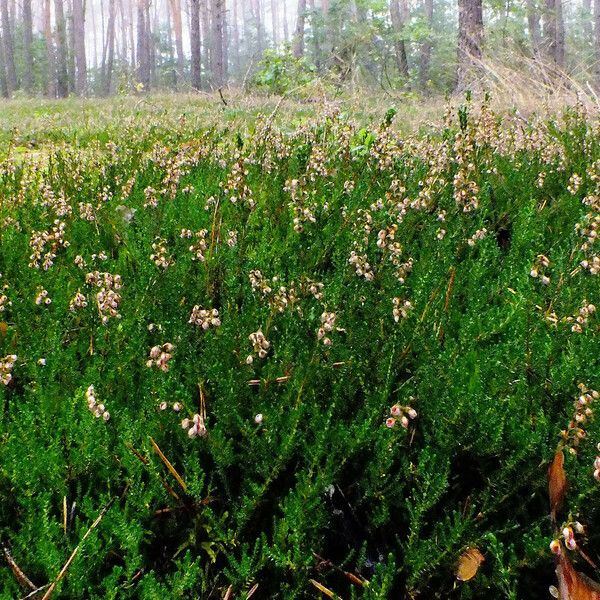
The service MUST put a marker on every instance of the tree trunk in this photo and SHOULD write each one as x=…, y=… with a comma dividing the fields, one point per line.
x=8, y=48
x=195, y=43
x=62, y=79
x=399, y=17
x=235, y=31
x=275, y=21
x=470, y=39
x=286, y=33
x=27, y=47
x=298, y=44
x=71, y=46
x=597, y=39
x=110, y=46
x=143, y=54
x=533, y=24
x=587, y=23
x=206, y=37
x=427, y=45
x=51, y=57
x=3, y=84
x=178, y=30
x=218, y=74
x=554, y=32
x=79, y=47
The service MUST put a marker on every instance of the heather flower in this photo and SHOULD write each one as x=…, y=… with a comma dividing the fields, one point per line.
x=6, y=366
x=205, y=318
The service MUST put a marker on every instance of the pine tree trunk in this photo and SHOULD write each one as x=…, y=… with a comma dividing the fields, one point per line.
x=275, y=21
x=217, y=43
x=235, y=31
x=427, y=46
x=79, y=47
x=178, y=30
x=3, y=84
x=195, y=43
x=27, y=47
x=71, y=47
x=533, y=24
x=50, y=55
x=8, y=48
x=298, y=44
x=286, y=33
x=62, y=79
x=399, y=18
x=110, y=45
x=597, y=40
x=206, y=37
x=143, y=62
x=470, y=39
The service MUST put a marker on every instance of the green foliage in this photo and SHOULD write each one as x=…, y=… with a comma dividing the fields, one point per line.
x=280, y=72
x=297, y=476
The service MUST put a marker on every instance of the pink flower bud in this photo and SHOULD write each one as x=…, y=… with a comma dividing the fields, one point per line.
x=395, y=410
x=390, y=422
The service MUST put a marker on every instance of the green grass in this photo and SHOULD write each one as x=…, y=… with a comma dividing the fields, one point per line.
x=483, y=353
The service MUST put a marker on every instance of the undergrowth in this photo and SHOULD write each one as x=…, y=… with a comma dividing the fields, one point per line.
x=441, y=277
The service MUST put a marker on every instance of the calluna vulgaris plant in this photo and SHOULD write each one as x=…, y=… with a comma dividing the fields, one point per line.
x=333, y=356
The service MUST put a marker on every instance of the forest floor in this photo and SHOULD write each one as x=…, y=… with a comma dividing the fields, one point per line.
x=298, y=345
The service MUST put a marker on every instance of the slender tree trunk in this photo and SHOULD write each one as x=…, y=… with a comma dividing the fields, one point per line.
x=399, y=18
x=27, y=47
x=178, y=30
x=286, y=33
x=50, y=55
x=217, y=43
x=3, y=84
x=79, y=47
x=196, y=45
x=298, y=43
x=533, y=25
x=427, y=45
x=62, y=80
x=71, y=46
x=587, y=23
x=110, y=47
x=560, y=34
x=235, y=31
x=143, y=63
x=206, y=38
x=597, y=40
x=553, y=34
x=275, y=21
x=470, y=39
x=9, y=48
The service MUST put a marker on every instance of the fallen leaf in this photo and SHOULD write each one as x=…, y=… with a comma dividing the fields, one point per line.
x=3, y=328
x=557, y=483
x=468, y=564
x=573, y=585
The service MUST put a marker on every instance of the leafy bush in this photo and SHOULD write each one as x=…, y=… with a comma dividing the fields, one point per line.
x=396, y=343
x=281, y=72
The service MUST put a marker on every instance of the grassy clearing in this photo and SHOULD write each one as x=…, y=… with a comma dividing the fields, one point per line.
x=281, y=352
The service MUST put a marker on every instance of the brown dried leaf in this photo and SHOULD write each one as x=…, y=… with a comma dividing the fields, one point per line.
x=468, y=564
x=3, y=328
x=557, y=483
x=573, y=585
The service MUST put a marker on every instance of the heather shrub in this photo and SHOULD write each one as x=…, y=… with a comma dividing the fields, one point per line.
x=275, y=356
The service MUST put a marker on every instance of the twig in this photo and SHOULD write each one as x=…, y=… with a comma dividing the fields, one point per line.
x=18, y=572
x=34, y=592
x=76, y=550
x=169, y=466
x=220, y=90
